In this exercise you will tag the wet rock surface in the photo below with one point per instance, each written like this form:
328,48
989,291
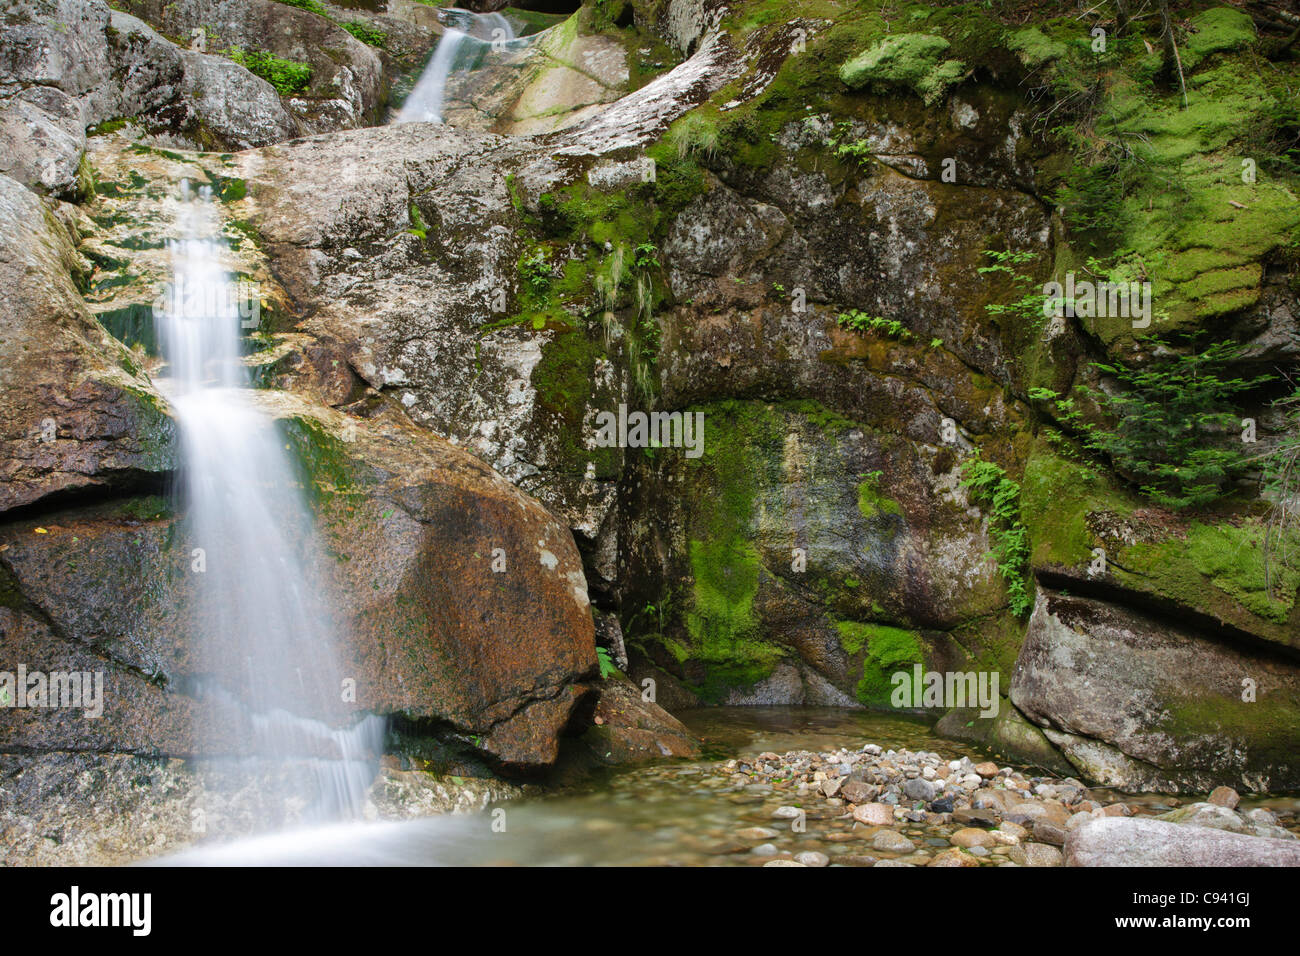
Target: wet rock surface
77,413
1091,675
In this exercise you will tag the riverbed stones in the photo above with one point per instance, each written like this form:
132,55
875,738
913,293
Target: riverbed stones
954,857
891,841
977,836
874,814
812,858
1219,817
1224,797
1048,831
919,788
968,837
975,817
1035,854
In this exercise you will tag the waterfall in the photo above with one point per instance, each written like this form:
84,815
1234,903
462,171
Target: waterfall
264,633
464,43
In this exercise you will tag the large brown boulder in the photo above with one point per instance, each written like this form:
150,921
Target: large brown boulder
412,528
628,729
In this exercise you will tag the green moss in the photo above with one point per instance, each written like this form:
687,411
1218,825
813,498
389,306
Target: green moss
1056,497
695,133
367,34
245,231
228,188
824,419
885,650
727,638
287,76
11,595
325,468
133,326
721,621
154,427
1216,30
1157,185
1034,47
1228,557
872,503
1265,729
310,5
913,60
135,182
144,508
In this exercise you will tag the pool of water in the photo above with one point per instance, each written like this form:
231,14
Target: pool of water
675,814
727,732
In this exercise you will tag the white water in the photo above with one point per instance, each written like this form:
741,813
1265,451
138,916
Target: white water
270,686
463,46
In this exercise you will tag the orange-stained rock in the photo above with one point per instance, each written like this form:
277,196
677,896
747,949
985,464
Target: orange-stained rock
627,729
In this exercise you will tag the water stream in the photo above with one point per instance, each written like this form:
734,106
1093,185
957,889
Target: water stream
262,628
468,39
684,813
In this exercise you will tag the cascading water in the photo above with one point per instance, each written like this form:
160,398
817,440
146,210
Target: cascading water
464,44
264,633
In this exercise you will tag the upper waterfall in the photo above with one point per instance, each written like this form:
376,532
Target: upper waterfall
468,37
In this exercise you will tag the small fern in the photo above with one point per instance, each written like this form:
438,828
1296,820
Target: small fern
990,486
607,666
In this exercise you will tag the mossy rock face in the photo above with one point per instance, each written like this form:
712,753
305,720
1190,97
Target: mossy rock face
1220,569
1084,527
78,413
1202,206
1058,497
789,559
1173,706
914,60
300,51
1217,30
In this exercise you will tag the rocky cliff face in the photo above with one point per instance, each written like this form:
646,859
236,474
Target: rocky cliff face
788,231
